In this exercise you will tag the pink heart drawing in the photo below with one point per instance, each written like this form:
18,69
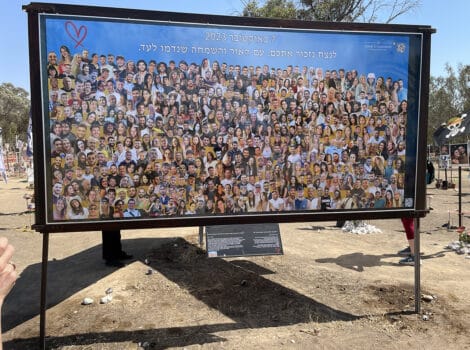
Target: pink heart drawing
76,34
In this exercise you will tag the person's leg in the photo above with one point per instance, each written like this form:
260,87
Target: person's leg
408,225
411,242
340,223
112,248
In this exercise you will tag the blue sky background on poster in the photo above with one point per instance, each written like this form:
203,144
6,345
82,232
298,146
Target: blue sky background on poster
383,54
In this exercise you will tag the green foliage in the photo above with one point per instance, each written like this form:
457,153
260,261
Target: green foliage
384,11
464,237
271,9
14,112
333,10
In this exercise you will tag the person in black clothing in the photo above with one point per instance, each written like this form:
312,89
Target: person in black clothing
429,172
112,248
111,239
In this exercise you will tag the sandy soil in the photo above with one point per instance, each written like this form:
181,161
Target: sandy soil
330,289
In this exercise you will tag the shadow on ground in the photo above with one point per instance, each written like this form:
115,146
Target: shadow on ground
358,261
235,288
65,277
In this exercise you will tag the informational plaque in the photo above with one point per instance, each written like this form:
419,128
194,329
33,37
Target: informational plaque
243,240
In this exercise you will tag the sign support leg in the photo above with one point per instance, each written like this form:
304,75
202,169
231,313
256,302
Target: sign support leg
417,268
42,317
201,235
460,196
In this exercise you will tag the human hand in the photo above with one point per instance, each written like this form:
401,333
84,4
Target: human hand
8,273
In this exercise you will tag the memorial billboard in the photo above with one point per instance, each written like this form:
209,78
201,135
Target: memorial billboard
154,119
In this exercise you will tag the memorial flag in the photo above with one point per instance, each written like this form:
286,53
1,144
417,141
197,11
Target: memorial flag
29,134
455,126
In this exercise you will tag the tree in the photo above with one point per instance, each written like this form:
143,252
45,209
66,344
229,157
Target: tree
448,97
272,8
385,11
14,112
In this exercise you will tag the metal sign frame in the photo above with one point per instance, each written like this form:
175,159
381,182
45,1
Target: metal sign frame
418,77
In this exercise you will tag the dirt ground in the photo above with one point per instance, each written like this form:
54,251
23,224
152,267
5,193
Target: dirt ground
330,289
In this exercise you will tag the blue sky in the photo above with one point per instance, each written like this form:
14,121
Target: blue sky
449,44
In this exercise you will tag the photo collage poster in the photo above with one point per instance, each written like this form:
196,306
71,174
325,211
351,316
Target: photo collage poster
148,119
